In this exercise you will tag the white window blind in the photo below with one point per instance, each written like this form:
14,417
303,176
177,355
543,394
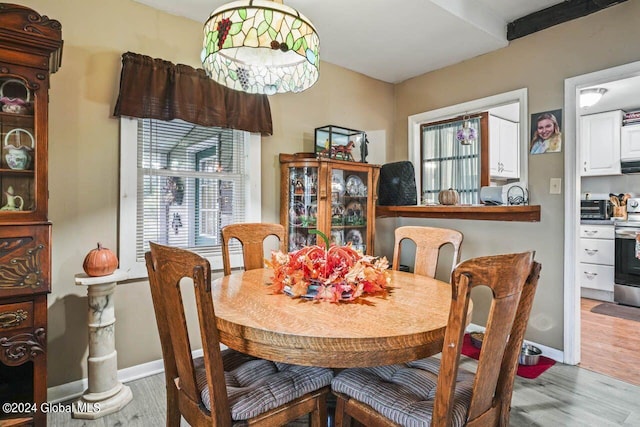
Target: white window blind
190,181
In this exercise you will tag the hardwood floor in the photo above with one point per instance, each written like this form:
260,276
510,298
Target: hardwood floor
603,391
609,345
564,395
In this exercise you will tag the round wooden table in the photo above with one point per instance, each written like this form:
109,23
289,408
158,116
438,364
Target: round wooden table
406,324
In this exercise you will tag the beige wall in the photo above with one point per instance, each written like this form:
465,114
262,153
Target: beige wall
84,148
540,62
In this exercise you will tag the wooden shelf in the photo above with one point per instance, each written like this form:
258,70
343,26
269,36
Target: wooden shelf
487,213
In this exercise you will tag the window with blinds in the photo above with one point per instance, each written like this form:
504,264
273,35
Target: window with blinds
190,181
188,178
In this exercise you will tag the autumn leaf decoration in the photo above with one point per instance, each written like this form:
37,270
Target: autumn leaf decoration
333,273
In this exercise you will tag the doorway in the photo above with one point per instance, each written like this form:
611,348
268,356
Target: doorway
572,160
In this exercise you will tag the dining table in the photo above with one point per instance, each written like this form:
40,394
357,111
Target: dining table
406,322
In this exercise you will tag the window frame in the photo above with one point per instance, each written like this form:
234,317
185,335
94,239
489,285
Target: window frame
471,107
127,226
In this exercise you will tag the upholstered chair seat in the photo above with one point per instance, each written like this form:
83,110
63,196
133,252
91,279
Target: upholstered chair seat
405,393
255,386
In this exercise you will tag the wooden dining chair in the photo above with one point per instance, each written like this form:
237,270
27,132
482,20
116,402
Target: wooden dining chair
222,388
251,236
428,241
435,392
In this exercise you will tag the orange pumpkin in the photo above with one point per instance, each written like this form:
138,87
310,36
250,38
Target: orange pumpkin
448,197
100,262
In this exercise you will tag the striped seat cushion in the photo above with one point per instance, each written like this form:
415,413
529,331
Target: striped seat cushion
404,393
255,386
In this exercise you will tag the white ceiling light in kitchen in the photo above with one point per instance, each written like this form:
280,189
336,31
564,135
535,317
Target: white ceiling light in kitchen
590,97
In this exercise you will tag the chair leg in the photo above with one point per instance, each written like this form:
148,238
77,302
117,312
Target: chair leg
173,411
319,415
342,418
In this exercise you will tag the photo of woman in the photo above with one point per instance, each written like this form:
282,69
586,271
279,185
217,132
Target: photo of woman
546,136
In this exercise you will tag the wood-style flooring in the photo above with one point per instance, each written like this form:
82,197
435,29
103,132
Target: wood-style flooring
567,396
603,391
609,345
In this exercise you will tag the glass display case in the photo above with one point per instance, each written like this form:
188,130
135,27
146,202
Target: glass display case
333,196
19,150
30,50
336,142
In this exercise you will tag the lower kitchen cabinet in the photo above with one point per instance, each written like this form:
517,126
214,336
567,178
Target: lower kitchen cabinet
596,256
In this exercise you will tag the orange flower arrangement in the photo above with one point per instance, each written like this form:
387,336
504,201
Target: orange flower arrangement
333,273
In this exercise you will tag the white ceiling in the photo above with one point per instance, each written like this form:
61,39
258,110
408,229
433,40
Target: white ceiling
394,40
621,94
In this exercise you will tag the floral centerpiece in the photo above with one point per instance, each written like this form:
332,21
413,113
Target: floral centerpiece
333,273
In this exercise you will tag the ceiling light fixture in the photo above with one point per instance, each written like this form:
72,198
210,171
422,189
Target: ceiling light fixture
590,97
261,46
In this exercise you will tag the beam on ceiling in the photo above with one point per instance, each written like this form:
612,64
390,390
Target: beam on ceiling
554,15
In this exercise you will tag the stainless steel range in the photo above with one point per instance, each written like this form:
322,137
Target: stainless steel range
626,289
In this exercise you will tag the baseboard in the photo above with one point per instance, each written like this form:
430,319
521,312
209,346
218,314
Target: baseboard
550,352
75,389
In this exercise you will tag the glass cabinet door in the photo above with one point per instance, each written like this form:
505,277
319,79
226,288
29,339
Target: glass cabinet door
349,208
17,165
303,206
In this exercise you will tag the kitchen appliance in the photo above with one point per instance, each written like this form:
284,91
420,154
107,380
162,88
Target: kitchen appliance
509,194
630,167
595,209
626,288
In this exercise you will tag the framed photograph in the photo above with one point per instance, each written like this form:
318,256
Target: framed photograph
546,132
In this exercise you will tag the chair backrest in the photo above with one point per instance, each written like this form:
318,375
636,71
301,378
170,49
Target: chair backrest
429,241
506,276
167,266
251,236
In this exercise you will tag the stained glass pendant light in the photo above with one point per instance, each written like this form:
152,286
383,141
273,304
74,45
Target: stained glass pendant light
261,46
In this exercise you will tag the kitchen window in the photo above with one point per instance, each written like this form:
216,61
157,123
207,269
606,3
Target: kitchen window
180,184
447,163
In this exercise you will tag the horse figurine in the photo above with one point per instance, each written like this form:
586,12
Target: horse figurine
343,152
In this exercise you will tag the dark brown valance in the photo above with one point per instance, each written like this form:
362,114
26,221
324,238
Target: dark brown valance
158,89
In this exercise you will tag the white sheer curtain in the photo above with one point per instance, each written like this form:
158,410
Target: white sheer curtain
446,163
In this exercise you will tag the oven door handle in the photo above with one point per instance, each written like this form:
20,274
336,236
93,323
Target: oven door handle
626,233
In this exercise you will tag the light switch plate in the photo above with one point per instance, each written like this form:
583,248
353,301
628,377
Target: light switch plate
555,186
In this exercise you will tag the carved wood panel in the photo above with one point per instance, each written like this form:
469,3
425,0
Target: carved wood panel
21,348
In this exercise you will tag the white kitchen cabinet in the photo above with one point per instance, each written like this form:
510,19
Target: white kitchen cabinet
504,148
600,143
630,143
596,256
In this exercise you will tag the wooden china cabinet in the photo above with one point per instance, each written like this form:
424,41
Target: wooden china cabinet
30,50
335,197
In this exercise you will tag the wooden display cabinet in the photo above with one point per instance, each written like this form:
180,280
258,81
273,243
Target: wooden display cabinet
335,197
30,50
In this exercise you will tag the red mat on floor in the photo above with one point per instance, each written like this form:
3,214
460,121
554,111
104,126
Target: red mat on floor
530,372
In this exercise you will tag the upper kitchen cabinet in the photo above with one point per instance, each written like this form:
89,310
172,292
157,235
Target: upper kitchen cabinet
504,148
600,143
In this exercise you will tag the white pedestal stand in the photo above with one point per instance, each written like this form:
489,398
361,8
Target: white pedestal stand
105,394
